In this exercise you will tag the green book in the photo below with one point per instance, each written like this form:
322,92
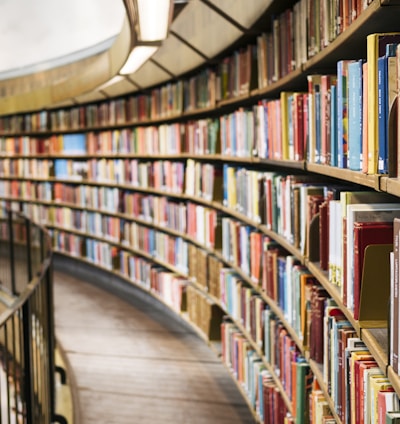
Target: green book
304,379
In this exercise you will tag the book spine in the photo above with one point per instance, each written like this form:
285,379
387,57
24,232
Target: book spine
394,326
355,116
382,118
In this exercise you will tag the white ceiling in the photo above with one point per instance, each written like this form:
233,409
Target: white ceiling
33,32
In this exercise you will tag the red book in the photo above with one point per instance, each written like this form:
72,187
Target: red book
365,234
385,403
305,120
318,301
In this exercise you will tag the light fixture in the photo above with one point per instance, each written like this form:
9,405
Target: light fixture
154,19
137,57
149,19
112,81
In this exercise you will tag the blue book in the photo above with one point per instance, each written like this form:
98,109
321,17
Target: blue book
334,136
355,110
74,143
383,107
282,292
61,168
225,168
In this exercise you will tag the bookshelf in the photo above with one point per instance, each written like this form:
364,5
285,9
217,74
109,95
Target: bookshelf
204,193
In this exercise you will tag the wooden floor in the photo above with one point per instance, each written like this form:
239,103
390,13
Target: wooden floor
136,363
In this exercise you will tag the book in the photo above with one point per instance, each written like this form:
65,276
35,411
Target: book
342,113
352,197
376,47
327,81
333,155
387,401
354,344
355,103
364,168
386,64
377,384
394,340
365,234
363,212
314,118
304,379
286,99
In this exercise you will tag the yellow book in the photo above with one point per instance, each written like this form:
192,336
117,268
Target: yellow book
285,95
376,44
231,183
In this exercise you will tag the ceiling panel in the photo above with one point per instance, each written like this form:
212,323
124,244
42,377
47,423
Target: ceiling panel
245,13
149,74
197,16
183,58
93,96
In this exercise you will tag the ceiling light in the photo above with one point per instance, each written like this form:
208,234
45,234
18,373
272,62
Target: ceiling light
112,81
149,19
154,17
138,56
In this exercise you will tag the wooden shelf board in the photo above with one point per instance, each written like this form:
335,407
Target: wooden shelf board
282,163
283,242
322,277
392,186
356,177
294,81
377,342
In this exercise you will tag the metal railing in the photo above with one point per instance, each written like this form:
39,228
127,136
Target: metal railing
27,383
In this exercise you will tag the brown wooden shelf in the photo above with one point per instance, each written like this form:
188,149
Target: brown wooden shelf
355,177
284,164
376,340
391,186
322,277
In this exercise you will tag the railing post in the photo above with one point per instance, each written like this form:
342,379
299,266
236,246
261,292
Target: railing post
28,249
48,280
12,256
28,380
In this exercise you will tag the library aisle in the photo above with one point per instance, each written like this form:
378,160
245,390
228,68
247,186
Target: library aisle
135,362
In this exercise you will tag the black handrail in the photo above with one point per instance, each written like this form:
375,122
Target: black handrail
27,341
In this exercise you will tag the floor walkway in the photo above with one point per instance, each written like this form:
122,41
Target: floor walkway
135,363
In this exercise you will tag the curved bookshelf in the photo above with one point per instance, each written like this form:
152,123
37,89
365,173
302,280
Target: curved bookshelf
247,168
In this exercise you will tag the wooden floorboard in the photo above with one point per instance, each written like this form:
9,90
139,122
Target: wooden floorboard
133,363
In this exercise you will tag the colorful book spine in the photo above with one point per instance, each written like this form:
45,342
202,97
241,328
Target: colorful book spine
355,115
342,113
